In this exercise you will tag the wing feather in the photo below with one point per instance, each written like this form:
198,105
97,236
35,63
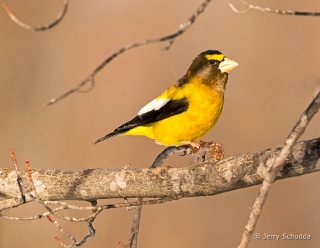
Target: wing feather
150,115
171,108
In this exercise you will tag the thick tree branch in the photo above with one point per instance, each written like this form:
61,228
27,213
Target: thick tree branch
237,172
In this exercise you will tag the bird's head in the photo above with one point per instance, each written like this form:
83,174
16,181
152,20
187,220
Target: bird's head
211,67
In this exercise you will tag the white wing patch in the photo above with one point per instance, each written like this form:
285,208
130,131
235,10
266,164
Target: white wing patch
155,104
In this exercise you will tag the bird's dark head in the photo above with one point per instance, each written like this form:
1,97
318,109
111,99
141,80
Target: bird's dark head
212,67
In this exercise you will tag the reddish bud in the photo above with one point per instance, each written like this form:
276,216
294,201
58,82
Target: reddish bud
6,8
48,217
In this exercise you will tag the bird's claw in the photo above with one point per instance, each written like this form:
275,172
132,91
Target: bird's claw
184,153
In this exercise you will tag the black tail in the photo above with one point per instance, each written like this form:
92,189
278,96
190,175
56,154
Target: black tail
171,108
122,129
115,133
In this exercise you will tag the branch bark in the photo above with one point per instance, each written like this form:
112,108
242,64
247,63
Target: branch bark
205,179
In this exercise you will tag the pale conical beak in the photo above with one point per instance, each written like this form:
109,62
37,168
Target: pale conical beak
227,65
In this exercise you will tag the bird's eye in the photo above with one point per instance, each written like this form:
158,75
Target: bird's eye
213,62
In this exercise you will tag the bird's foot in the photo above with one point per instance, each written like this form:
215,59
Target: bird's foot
192,147
216,151
200,150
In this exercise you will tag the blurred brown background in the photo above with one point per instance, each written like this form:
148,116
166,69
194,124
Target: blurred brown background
278,75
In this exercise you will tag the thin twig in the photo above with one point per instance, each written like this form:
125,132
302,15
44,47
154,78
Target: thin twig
170,38
19,180
96,210
72,238
294,135
30,177
91,234
74,242
133,241
40,28
268,10
135,226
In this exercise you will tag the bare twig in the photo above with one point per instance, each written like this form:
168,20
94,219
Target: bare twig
19,180
40,28
29,176
170,38
55,222
89,220
91,234
74,242
96,210
268,10
133,241
294,135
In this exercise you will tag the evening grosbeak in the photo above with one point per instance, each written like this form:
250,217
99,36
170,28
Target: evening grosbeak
188,109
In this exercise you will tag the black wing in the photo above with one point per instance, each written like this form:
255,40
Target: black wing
171,108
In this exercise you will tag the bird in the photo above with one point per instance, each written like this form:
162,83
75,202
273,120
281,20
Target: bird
188,109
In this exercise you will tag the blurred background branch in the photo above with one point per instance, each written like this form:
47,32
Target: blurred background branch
39,28
278,163
169,38
269,10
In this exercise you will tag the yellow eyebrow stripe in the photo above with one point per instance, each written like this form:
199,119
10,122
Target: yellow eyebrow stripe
218,57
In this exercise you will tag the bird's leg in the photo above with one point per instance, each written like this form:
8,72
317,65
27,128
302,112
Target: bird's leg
200,150
170,150
192,144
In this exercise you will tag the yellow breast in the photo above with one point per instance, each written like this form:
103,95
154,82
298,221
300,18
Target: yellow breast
205,106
